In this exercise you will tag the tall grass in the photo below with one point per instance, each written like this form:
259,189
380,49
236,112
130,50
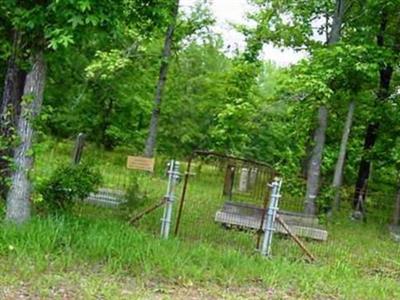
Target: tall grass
359,261
66,243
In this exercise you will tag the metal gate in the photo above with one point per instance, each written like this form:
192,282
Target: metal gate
223,200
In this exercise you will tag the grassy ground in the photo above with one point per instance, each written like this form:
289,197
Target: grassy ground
88,257
92,253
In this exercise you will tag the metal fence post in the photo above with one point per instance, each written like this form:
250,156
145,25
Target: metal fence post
269,226
173,176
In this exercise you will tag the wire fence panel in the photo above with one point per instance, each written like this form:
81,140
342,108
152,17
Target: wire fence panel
128,191
225,201
225,204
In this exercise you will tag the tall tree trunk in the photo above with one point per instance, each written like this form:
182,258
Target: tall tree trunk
108,108
9,111
396,211
315,161
165,57
371,136
385,77
314,166
337,22
365,163
338,177
18,198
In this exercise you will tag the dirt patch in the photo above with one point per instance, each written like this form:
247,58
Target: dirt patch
126,290
211,292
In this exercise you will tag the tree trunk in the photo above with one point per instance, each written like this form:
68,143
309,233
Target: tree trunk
385,77
396,211
9,112
314,167
365,164
18,198
337,22
315,161
165,57
11,100
338,177
108,108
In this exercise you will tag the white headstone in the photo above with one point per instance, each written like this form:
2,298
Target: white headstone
253,177
244,180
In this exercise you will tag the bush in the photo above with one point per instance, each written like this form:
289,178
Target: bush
67,184
135,197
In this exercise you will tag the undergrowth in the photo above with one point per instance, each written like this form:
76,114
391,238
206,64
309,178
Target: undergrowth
58,245
359,260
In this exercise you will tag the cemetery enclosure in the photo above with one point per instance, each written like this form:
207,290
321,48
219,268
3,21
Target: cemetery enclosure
224,201
211,181
220,199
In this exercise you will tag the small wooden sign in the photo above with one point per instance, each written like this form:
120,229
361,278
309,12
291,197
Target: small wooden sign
140,163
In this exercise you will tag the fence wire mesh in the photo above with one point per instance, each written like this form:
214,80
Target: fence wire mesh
224,203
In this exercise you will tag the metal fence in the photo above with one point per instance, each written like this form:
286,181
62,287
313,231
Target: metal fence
220,200
223,200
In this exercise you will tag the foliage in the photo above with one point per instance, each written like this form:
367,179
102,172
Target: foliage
97,249
136,198
4,180
103,60
66,185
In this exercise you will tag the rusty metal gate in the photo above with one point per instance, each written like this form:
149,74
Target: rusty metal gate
223,200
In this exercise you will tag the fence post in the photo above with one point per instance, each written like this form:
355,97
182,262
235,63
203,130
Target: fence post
173,176
79,144
269,226
183,195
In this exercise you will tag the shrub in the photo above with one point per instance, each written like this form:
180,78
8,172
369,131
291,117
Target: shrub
67,184
135,197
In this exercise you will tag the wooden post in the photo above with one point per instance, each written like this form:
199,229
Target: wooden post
229,180
183,195
295,238
79,144
396,211
146,211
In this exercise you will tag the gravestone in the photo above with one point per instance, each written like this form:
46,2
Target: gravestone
244,180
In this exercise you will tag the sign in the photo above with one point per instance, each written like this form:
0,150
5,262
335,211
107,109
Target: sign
140,163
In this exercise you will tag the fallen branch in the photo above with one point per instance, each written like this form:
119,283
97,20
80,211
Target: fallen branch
295,238
147,211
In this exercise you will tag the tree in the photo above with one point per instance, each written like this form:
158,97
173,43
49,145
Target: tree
9,109
273,27
49,26
338,177
314,167
387,40
239,107
165,57
195,95
18,198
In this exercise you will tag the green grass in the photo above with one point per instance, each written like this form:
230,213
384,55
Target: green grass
93,253
359,267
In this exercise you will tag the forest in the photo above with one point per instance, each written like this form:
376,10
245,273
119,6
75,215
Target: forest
153,79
